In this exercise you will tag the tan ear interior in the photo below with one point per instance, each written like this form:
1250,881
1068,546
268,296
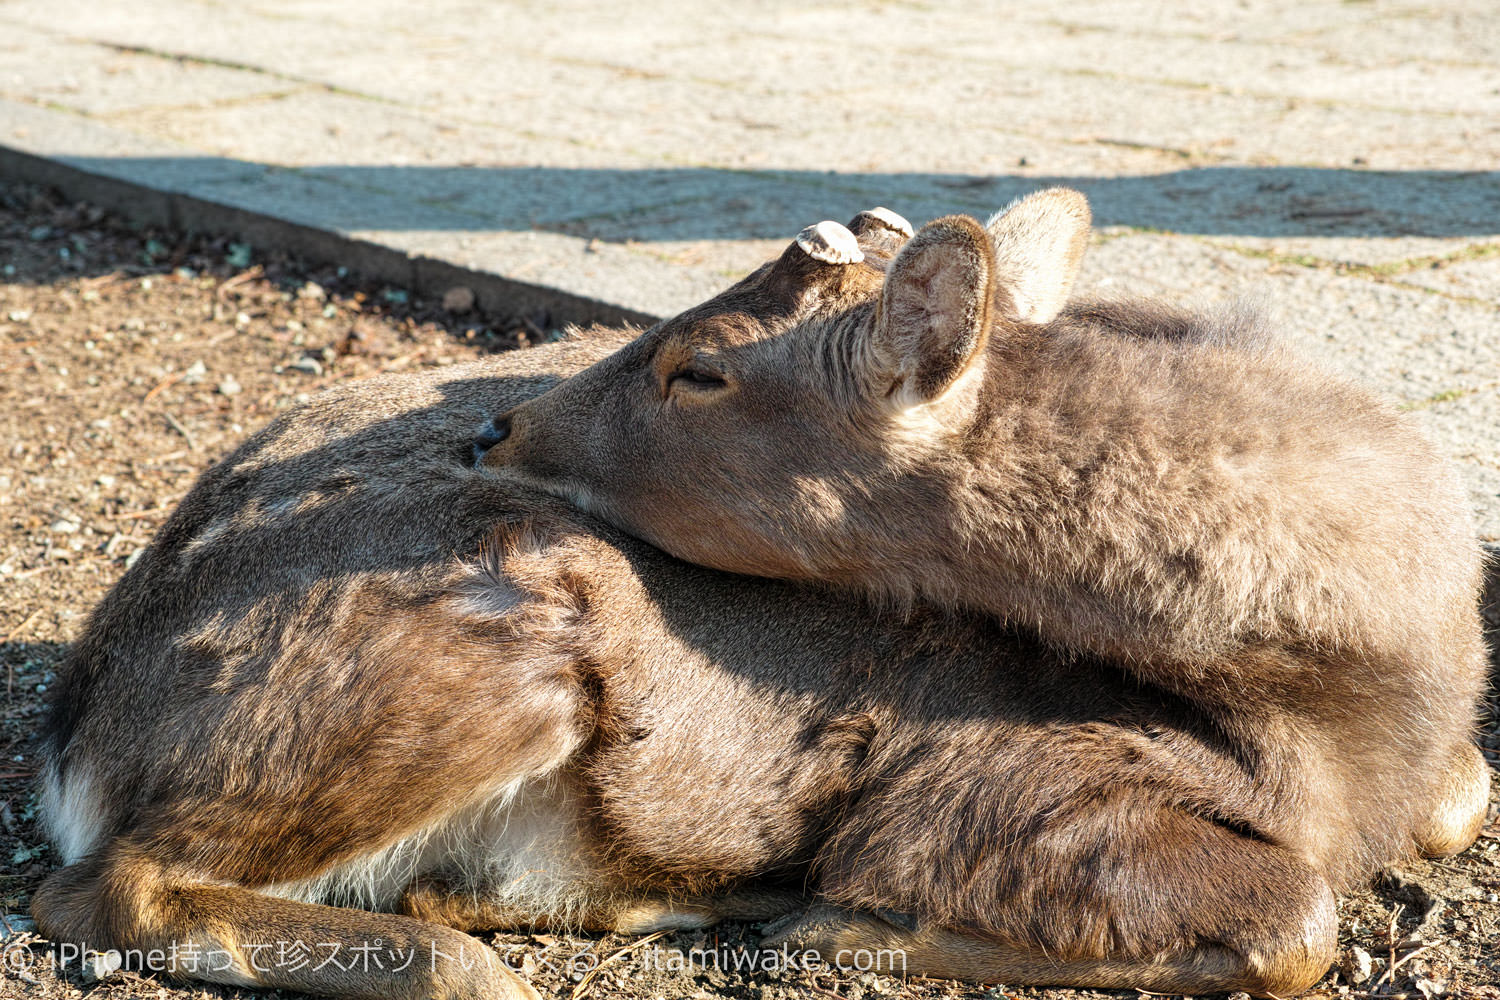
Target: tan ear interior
1039,242
934,308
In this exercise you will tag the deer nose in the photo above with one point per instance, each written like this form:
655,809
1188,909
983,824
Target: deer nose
489,435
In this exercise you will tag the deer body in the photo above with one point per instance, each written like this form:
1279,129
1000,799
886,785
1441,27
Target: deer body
354,671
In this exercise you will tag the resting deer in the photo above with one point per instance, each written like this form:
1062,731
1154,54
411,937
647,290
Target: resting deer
925,417
359,699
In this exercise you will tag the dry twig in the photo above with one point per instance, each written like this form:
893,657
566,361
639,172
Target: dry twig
22,627
169,380
1389,975
187,434
239,279
131,515
831,994
581,990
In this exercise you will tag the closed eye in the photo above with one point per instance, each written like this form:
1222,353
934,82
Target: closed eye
696,378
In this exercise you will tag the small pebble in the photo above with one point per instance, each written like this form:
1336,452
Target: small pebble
195,373
100,965
458,299
1430,988
64,527
309,365
15,924
229,387
1358,966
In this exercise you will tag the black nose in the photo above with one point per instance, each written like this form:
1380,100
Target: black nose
489,435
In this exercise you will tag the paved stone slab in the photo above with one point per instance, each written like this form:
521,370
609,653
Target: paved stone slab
100,81
1474,279
1379,256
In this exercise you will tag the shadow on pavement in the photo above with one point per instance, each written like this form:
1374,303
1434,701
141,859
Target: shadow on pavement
704,204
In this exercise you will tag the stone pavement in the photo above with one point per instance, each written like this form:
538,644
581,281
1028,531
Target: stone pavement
1335,158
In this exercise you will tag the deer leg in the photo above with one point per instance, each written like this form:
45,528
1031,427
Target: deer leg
1115,897
1463,802
231,935
435,899
860,941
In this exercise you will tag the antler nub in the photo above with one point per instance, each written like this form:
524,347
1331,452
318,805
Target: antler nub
887,219
830,243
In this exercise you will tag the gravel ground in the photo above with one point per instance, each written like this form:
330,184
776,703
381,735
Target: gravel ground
130,361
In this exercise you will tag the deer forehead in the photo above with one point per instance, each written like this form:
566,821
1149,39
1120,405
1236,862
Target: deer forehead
755,322
734,329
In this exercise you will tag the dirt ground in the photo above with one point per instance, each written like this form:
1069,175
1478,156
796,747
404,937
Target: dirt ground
130,361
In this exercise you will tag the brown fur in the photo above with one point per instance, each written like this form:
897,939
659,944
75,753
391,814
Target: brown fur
347,640
1171,492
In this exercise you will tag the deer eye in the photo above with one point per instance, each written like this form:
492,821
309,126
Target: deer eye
696,378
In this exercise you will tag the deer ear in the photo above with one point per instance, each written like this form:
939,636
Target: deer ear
1039,243
933,318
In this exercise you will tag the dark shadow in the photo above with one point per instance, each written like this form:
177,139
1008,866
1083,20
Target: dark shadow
26,665
48,238
701,203
1489,606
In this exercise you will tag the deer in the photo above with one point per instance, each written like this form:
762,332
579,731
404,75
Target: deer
924,417
360,700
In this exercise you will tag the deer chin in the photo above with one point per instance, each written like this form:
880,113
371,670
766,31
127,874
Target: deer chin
567,488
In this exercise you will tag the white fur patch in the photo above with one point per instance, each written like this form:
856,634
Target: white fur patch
530,855
71,813
917,423
521,847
